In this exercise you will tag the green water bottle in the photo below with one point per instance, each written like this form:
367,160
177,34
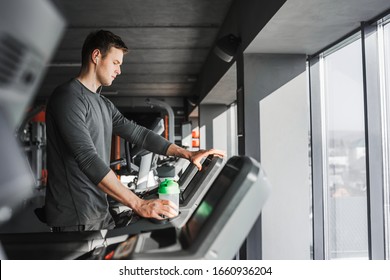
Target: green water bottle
169,190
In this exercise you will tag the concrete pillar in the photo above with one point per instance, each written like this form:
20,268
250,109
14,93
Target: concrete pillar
276,134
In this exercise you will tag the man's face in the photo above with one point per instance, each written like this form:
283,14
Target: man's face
110,66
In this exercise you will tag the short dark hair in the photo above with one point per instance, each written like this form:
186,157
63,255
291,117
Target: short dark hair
102,40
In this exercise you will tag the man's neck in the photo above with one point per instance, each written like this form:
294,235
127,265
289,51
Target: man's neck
89,81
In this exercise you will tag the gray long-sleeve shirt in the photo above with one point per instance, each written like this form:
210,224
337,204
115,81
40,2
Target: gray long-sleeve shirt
80,124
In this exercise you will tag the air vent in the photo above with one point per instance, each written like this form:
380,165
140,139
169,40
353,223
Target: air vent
11,56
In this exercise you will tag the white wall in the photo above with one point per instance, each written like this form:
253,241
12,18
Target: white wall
219,128
284,124
265,75
213,126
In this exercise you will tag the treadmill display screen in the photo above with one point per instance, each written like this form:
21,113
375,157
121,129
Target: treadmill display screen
194,183
190,169
209,203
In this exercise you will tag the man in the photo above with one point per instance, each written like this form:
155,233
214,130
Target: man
80,123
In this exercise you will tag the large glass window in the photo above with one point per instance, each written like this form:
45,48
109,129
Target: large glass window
384,54
346,233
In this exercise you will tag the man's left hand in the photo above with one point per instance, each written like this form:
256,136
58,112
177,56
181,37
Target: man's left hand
196,156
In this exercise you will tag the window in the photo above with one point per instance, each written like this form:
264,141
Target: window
384,60
345,197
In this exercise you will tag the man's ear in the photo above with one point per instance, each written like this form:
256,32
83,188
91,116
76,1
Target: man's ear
95,56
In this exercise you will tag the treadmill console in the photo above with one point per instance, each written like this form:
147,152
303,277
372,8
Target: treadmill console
219,224
189,200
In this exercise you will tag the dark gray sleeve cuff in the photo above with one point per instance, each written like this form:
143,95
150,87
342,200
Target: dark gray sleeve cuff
96,170
156,143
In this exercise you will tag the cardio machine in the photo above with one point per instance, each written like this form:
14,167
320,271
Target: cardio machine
195,185
216,229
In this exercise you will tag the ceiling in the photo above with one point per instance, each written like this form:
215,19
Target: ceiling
307,26
301,27
171,42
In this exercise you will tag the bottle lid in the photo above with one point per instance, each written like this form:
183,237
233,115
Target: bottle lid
169,187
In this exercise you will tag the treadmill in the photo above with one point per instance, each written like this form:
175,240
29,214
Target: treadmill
189,199
187,176
24,58
215,230
71,245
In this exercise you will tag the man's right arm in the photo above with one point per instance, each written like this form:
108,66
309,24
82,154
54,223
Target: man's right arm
146,208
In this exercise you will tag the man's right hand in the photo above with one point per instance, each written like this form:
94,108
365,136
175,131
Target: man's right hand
156,208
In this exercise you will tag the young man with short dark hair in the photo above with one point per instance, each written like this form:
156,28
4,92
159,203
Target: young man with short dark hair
80,123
